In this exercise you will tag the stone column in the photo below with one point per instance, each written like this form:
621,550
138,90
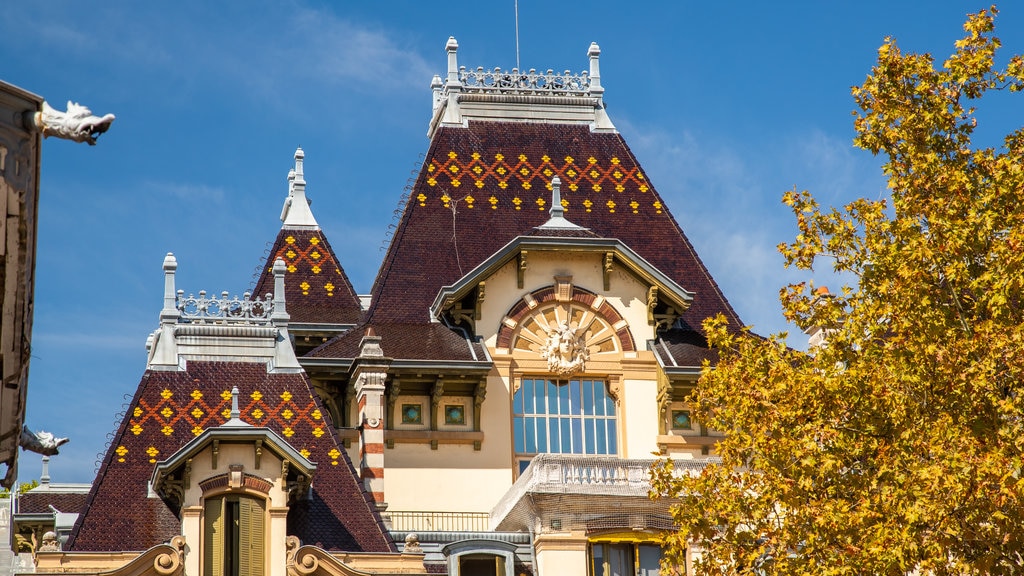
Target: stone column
369,372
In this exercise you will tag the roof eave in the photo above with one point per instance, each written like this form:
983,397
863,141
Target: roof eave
679,296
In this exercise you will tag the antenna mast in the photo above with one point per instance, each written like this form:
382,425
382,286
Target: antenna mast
517,34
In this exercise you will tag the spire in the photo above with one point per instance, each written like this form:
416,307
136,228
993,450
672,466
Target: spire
557,211
296,213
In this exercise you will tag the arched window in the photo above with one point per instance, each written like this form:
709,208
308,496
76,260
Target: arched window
234,538
574,416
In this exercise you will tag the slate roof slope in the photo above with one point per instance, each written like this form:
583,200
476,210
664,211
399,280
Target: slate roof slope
171,408
489,183
40,502
316,287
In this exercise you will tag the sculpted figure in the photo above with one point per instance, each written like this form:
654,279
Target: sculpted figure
40,442
564,350
77,123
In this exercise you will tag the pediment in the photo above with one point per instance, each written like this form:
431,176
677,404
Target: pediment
461,302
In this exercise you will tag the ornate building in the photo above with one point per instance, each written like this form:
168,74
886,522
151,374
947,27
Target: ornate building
491,407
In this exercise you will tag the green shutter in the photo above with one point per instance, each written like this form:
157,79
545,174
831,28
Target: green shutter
213,537
252,547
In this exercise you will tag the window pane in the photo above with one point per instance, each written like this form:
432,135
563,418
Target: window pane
531,435
612,447
567,447
597,551
556,438
577,435
563,399
542,435
518,434
574,396
650,559
599,399
552,397
602,437
620,559
588,434
588,397
517,398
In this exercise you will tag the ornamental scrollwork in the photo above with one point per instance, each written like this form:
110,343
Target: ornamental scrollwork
234,309
515,81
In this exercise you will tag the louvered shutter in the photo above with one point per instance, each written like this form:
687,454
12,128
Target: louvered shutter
213,537
252,543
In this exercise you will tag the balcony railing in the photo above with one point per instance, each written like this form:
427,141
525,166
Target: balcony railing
439,521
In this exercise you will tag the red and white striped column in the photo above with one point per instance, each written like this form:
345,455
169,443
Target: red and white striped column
369,372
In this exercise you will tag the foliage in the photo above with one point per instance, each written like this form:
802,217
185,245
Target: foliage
897,446
22,488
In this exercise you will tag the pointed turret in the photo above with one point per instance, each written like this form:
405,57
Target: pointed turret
321,300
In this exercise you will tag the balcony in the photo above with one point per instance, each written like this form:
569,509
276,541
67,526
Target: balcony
580,492
438,521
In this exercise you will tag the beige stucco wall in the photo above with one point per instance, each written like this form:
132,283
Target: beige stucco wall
560,553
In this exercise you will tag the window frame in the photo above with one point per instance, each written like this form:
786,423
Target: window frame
579,416
255,512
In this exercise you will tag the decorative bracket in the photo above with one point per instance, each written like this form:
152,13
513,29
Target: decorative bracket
609,261
521,270
435,402
214,452
478,402
652,303
258,453
615,388
393,392
479,300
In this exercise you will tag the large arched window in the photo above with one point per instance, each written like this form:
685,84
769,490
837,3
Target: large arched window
572,416
234,536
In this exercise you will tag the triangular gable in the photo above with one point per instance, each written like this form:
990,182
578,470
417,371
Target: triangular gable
170,408
483,185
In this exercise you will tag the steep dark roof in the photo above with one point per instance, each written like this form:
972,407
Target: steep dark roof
171,408
317,291
483,185
40,502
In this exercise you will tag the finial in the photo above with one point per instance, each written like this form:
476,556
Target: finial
299,156
595,69
557,211
279,316
235,413
45,478
169,313
296,213
452,47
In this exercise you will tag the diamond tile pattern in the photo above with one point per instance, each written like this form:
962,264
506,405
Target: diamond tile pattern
171,408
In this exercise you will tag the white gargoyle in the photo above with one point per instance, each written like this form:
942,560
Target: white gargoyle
77,124
40,442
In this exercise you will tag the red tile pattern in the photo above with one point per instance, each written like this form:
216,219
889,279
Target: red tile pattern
164,416
316,288
438,241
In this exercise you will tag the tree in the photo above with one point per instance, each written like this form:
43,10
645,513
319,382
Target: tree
897,446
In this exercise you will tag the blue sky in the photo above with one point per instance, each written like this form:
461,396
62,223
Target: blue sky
726,105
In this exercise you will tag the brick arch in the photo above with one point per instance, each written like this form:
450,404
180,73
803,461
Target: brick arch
249,482
540,298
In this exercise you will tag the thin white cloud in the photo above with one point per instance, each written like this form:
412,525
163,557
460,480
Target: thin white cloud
186,191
